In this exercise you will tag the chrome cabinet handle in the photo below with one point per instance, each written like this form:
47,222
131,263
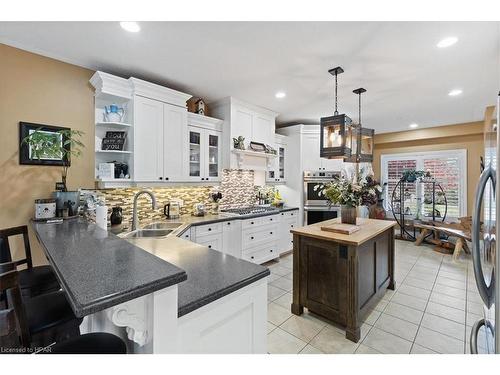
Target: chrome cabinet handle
485,291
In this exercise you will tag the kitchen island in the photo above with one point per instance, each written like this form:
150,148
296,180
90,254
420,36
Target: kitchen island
161,295
341,277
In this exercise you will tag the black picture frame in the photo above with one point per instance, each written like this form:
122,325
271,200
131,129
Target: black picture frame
24,130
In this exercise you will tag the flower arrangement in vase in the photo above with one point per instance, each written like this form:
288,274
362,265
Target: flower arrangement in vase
350,194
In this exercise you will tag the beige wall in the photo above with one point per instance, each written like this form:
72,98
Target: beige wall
40,90
467,136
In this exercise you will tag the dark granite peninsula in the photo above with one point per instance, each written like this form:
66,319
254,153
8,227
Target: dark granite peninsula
162,295
97,269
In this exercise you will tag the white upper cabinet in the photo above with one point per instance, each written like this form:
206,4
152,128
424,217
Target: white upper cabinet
148,139
174,131
160,130
242,124
277,166
156,137
305,152
252,122
204,140
311,160
263,129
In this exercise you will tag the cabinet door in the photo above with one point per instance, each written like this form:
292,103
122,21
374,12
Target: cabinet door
231,238
195,154
242,124
213,242
331,164
272,166
148,139
310,152
281,162
174,130
213,155
263,128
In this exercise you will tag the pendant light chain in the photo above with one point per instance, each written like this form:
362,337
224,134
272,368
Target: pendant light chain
336,112
360,110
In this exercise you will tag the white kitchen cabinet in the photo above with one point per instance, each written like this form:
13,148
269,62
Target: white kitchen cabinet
204,154
263,128
148,139
252,122
277,167
209,235
203,148
174,130
158,136
156,124
242,123
231,238
213,241
257,240
288,221
311,161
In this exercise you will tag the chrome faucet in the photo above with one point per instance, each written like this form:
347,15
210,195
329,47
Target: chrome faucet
135,219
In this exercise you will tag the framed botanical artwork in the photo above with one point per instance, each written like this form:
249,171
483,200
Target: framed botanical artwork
51,137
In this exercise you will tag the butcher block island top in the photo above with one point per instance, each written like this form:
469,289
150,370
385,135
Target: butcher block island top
342,276
368,229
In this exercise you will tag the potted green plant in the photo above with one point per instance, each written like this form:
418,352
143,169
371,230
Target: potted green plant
44,145
350,194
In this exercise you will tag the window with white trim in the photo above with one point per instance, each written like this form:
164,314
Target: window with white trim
448,167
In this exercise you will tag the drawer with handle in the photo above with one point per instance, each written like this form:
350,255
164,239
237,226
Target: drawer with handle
259,221
289,214
251,238
262,253
213,242
203,230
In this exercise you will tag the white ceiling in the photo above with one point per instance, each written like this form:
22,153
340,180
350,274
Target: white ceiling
406,76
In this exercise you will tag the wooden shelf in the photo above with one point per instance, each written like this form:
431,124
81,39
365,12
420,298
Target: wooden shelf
112,124
253,153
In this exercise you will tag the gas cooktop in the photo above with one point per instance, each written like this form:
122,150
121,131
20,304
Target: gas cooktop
251,210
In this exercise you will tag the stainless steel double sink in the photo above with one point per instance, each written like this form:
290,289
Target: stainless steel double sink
153,230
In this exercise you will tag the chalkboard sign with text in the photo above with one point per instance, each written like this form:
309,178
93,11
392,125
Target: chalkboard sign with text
113,144
116,134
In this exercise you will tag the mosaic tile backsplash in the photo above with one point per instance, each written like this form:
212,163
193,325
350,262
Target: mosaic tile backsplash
236,187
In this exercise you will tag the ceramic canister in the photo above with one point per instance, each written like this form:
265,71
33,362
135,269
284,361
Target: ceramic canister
45,208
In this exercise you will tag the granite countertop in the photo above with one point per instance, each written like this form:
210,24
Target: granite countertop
95,266
97,269
189,221
210,273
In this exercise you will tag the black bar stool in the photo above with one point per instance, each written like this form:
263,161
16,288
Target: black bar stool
42,320
33,281
90,343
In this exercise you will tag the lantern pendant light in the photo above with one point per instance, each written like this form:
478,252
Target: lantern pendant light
361,139
335,131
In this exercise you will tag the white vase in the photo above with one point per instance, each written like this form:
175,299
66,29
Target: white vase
363,212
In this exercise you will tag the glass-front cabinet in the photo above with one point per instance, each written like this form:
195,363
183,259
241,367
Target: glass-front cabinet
194,153
276,171
204,154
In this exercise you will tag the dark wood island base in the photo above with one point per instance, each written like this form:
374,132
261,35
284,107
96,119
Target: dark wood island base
341,277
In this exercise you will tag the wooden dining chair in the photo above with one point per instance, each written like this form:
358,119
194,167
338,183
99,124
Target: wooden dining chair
33,281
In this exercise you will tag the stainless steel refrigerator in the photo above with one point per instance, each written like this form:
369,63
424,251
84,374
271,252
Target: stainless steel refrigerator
484,338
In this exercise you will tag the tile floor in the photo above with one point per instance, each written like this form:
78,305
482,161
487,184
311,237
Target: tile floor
431,311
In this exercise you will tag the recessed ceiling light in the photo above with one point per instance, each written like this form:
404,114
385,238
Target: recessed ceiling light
455,92
130,26
413,126
446,42
280,95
